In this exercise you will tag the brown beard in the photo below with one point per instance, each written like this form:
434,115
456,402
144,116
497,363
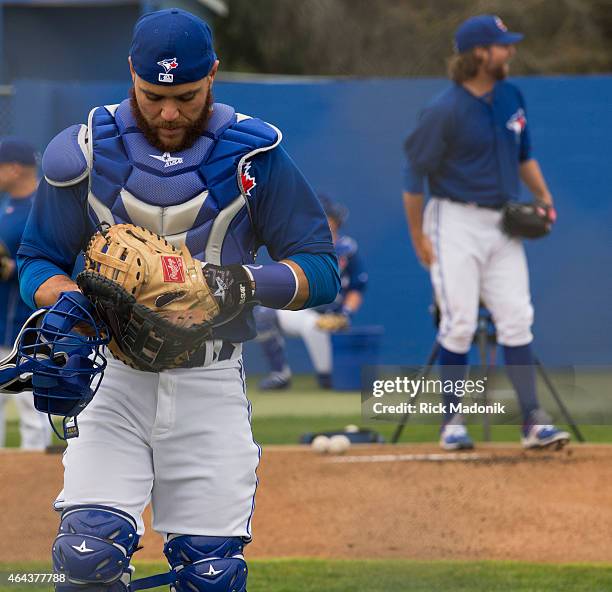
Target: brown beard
192,131
498,73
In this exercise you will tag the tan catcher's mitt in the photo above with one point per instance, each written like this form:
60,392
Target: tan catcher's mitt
152,296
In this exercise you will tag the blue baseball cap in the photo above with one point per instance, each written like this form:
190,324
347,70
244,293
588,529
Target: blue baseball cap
14,149
484,30
172,47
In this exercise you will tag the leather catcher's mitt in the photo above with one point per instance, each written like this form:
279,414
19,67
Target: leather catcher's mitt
152,296
527,220
332,321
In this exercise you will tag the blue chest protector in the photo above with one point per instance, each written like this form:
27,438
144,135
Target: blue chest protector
198,196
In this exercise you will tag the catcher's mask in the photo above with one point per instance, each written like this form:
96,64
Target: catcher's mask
66,366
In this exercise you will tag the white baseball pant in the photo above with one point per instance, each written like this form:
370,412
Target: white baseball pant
476,261
180,439
303,323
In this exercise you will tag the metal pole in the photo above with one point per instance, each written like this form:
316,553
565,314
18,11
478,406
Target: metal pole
553,391
426,369
483,339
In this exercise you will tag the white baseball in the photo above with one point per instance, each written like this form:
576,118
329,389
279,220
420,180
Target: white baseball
339,444
351,429
320,444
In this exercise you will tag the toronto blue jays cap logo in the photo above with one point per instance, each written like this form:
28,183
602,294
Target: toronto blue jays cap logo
500,24
167,64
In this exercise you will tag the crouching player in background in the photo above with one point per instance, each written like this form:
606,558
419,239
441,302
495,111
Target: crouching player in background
314,325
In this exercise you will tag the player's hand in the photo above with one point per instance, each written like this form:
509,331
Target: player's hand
549,210
70,313
424,251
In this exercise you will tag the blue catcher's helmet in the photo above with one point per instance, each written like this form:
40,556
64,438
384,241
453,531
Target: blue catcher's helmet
67,366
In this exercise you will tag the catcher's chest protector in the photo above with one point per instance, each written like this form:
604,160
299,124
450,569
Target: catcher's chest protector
196,196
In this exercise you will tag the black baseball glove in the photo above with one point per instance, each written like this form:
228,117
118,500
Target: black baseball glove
527,220
231,286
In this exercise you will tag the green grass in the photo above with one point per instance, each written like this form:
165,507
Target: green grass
281,417
287,429
317,575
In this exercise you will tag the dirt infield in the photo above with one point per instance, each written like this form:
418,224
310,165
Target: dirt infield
379,501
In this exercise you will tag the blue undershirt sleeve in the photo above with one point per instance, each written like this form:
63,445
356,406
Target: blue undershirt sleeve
322,274
33,273
54,234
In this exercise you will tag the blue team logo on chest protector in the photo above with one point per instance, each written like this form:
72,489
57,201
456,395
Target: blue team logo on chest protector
198,196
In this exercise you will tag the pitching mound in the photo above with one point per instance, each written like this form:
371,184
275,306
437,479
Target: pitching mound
379,502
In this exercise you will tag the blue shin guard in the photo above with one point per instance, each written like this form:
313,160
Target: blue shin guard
201,564
93,548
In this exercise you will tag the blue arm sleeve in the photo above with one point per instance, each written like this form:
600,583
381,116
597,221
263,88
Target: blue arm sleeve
54,234
426,144
275,284
322,274
33,273
287,213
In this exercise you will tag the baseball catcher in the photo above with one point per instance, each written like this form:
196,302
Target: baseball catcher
170,195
